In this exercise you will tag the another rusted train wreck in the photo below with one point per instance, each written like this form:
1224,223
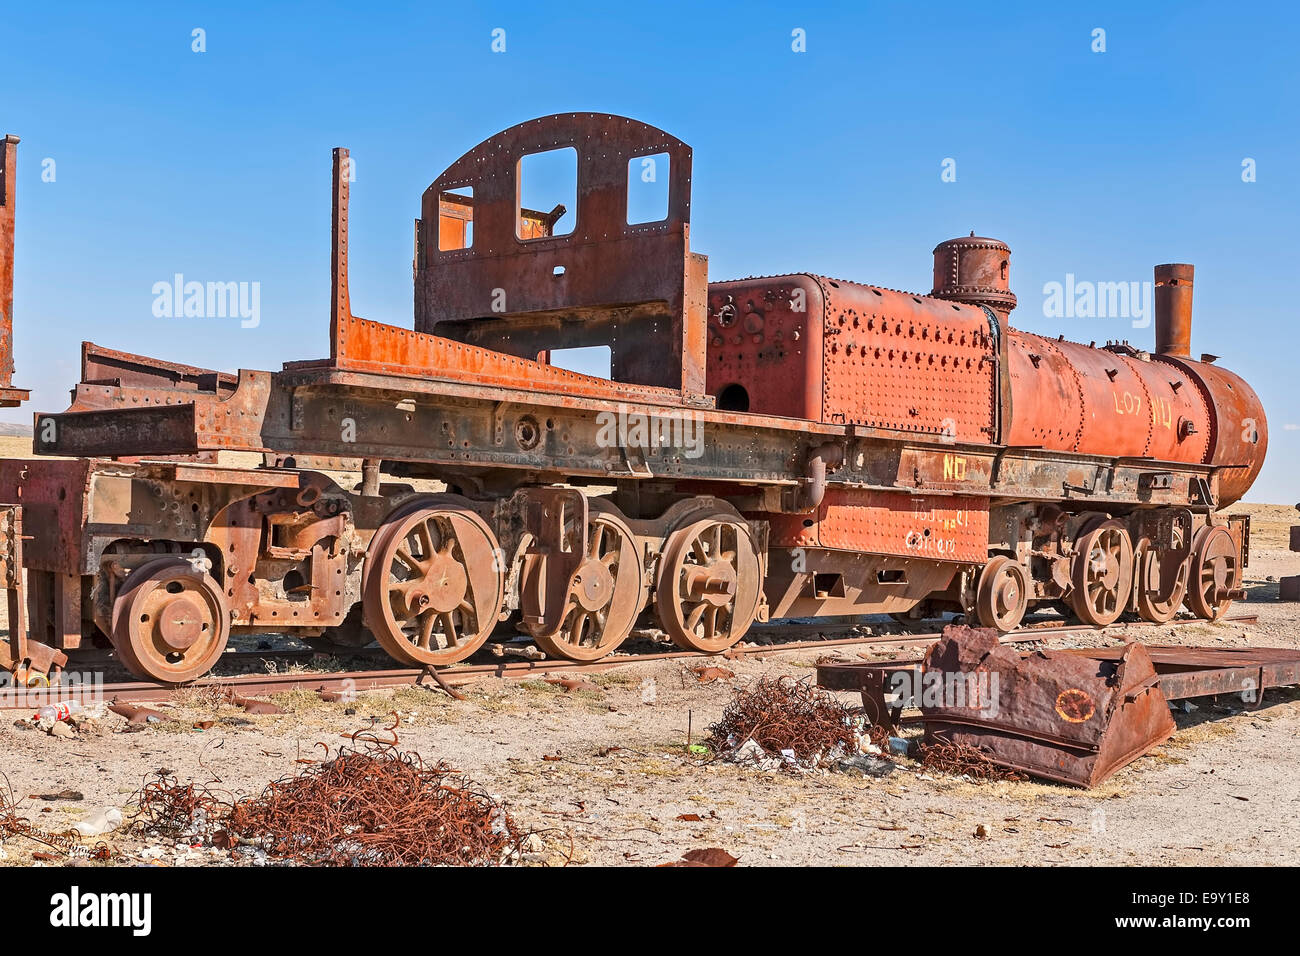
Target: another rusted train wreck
864,450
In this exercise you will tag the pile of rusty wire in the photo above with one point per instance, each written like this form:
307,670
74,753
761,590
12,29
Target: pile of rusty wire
783,714
959,760
174,809
371,806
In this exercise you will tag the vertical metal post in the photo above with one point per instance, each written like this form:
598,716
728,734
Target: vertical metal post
9,396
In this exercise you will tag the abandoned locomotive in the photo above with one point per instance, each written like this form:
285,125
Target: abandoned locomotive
860,450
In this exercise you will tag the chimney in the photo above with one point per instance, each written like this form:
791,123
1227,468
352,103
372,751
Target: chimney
1174,309
9,396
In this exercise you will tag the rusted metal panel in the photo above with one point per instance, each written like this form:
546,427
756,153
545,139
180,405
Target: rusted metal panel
1074,715
494,292
934,527
812,582
1070,397
9,396
1236,430
53,493
1204,671
906,363
1057,715
765,346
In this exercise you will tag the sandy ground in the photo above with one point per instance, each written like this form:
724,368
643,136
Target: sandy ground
609,769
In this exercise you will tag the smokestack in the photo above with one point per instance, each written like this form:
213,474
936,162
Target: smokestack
1174,309
9,396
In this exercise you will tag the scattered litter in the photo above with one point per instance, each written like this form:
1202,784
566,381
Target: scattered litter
707,675
59,795
570,684
104,821
136,715
526,651
254,706
867,765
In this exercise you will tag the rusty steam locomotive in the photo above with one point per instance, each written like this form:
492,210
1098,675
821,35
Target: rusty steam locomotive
863,450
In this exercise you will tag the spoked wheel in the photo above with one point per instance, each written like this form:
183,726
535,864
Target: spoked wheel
433,582
1003,594
605,594
170,621
1161,582
1215,573
1102,574
709,584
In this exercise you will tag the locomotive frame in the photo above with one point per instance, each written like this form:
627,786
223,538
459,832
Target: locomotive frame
864,451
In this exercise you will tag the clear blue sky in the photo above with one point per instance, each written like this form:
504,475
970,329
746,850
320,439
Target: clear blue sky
216,165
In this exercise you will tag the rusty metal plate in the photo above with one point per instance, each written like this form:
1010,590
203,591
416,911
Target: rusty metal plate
765,346
1055,715
908,363
936,527
502,282
1237,432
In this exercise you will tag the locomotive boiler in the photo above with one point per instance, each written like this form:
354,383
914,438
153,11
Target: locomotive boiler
787,446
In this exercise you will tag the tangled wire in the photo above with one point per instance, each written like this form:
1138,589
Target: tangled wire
15,824
964,760
784,714
371,806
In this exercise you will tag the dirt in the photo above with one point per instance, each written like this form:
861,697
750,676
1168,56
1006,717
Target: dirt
606,777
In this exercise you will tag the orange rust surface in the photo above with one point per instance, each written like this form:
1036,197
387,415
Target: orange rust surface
933,527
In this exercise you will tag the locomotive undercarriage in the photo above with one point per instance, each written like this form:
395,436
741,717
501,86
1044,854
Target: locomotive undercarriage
165,560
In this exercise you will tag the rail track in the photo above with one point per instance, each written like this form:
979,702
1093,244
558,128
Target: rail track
255,685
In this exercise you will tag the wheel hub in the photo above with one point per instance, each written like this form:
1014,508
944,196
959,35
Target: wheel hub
593,585
180,623
714,583
1008,595
442,588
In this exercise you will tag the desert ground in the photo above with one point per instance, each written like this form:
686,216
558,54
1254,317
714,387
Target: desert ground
605,775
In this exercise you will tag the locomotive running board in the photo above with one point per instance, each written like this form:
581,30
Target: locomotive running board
1074,716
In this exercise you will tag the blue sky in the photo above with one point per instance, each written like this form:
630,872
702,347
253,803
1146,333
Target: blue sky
216,164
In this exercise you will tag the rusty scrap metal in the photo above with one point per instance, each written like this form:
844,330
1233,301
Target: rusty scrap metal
379,807
170,808
1060,715
963,760
370,806
781,713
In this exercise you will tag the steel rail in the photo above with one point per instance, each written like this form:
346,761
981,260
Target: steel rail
359,681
